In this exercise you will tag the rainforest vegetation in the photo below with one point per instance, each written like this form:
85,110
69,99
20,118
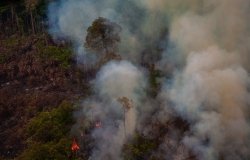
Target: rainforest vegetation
124,80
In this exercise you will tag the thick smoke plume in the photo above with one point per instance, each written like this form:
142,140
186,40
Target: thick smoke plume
212,90
201,49
105,108
212,94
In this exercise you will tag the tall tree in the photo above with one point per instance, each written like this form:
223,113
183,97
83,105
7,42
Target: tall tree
103,36
127,105
9,8
30,7
14,14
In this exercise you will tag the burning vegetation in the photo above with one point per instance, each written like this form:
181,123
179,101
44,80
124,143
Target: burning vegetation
157,80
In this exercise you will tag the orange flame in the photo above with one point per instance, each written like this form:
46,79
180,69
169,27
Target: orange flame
74,146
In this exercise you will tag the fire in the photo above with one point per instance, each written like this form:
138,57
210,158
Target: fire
98,124
74,146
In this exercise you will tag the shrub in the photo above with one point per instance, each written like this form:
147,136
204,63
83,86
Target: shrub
47,151
48,134
61,54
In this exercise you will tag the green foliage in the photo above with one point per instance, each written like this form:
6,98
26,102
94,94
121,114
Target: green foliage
48,151
139,148
51,126
14,42
61,54
48,134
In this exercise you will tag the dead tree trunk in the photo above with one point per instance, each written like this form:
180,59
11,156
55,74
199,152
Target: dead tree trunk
32,22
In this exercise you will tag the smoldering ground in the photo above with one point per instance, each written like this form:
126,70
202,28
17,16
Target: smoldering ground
201,49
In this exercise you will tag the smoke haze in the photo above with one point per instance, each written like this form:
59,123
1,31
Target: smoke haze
105,108
202,49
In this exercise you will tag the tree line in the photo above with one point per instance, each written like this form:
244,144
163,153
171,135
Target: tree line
23,17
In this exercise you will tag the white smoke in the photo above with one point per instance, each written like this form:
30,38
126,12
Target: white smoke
203,44
212,94
140,26
212,90
114,80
